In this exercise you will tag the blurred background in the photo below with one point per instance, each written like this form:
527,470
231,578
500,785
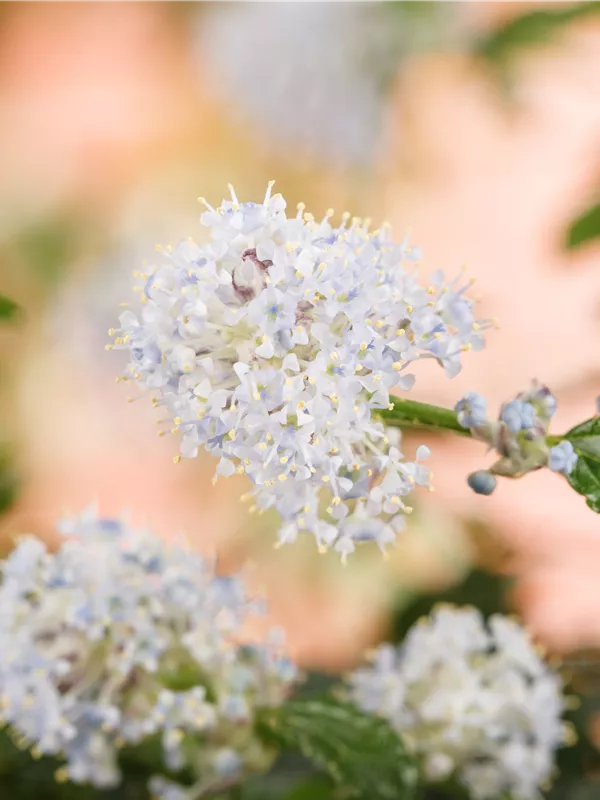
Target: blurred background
476,126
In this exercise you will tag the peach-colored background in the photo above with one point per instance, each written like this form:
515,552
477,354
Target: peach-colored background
108,124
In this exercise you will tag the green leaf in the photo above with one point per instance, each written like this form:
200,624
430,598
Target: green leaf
290,776
534,28
312,787
585,477
8,309
585,438
359,751
318,787
584,229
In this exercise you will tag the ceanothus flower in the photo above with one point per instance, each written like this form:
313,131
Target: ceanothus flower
518,436
518,415
562,458
118,636
473,700
471,410
274,345
313,79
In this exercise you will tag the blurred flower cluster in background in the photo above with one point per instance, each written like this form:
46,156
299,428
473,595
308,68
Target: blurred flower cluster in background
475,126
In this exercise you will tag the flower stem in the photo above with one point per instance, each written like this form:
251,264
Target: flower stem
422,416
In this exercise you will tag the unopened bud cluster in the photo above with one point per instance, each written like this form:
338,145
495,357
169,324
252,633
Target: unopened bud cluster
119,636
519,436
473,700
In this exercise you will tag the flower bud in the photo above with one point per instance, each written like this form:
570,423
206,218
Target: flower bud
482,482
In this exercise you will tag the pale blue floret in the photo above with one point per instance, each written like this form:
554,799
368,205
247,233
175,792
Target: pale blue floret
547,401
227,762
471,410
518,415
562,458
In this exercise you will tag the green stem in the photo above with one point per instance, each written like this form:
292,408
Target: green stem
422,416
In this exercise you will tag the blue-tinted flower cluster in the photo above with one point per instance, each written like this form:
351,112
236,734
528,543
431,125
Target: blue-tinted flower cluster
518,416
274,345
95,638
334,62
518,436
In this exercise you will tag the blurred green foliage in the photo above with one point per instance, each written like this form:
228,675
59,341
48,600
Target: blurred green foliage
8,309
535,28
419,12
25,778
331,750
290,780
8,480
499,50
585,228
579,765
48,247
480,588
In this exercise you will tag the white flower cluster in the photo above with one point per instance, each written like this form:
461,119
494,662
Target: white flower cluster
474,701
118,636
274,345
315,78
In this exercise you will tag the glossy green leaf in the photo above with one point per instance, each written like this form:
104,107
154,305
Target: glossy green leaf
585,228
8,309
585,477
585,438
359,751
